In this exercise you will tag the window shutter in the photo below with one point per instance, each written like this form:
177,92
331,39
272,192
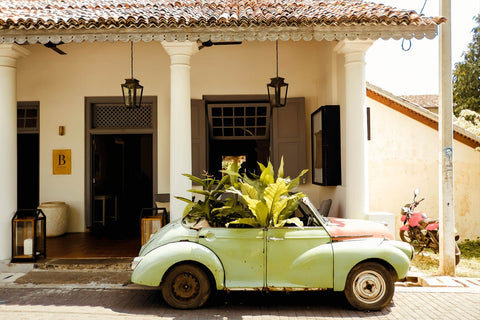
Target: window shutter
288,138
199,138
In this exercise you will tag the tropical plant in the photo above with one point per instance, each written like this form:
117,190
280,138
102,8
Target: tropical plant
210,206
268,199
466,75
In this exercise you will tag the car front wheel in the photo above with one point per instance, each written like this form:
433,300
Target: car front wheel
369,286
186,286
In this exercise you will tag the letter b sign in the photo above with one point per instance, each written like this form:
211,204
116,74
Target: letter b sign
62,161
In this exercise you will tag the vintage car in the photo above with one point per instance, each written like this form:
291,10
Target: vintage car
189,261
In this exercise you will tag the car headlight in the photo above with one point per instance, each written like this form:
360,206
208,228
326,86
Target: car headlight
135,262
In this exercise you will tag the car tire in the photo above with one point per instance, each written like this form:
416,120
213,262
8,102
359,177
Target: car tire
186,286
369,286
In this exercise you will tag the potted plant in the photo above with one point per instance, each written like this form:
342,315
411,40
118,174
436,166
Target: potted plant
257,201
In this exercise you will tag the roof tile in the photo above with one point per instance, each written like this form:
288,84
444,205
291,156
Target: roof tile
55,14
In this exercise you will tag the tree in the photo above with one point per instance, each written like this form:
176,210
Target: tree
466,76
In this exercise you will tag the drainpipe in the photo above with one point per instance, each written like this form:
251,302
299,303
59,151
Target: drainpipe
445,129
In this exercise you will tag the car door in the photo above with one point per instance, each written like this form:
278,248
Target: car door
241,251
299,258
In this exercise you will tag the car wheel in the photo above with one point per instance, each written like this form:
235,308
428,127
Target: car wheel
369,286
186,286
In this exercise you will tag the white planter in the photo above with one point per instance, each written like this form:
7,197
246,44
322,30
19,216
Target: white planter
56,217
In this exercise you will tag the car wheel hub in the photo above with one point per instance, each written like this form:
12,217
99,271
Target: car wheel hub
369,286
185,286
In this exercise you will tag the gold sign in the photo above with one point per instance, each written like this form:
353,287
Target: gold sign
62,161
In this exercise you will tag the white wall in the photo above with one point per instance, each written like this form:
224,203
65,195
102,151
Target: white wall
404,155
61,84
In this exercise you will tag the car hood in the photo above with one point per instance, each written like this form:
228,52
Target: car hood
344,229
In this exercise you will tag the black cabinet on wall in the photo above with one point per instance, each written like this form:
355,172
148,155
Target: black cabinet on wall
326,159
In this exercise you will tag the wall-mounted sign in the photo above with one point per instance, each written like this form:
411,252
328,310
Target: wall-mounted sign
62,161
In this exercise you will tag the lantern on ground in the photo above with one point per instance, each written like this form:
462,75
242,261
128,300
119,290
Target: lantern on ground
152,220
28,235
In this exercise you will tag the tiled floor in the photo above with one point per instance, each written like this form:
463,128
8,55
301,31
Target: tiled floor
89,245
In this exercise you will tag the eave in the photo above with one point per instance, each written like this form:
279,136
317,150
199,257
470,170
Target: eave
218,33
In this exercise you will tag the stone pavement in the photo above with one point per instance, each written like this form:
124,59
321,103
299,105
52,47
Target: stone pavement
54,292
70,302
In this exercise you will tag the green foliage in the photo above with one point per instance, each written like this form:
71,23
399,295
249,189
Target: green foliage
261,201
211,207
470,248
466,76
268,199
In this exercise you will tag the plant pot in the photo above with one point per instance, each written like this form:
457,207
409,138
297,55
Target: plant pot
56,217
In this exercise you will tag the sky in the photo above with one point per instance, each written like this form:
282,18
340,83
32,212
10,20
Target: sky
416,71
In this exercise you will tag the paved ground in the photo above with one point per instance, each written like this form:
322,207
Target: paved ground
72,292
117,301
81,303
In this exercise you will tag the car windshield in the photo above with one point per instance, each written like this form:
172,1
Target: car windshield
307,204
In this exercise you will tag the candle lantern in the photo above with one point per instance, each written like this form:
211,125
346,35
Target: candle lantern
28,235
152,219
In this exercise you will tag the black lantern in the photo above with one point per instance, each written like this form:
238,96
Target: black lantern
28,235
131,89
277,88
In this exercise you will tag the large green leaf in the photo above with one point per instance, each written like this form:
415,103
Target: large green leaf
258,208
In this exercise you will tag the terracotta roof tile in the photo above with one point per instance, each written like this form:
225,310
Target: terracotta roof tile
87,14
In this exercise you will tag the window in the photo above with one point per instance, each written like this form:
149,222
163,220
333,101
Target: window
28,117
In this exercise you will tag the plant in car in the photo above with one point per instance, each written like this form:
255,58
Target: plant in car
216,211
270,200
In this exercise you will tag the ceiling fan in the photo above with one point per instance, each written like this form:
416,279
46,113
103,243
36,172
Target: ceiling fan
210,43
53,46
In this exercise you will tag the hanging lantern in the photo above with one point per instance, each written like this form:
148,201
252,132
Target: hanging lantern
132,90
28,235
277,88
132,93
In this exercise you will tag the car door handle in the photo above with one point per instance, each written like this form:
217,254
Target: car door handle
275,239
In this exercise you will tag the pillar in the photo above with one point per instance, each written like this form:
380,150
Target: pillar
356,157
9,53
180,123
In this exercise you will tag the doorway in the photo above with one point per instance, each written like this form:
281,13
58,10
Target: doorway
120,165
28,154
122,182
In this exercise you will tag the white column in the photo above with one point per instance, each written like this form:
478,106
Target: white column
9,53
356,157
180,123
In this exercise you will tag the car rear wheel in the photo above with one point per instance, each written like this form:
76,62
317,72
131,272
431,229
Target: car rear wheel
186,286
369,286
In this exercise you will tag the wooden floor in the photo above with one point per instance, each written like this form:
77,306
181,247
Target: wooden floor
89,245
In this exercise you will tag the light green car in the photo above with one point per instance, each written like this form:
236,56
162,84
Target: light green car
190,261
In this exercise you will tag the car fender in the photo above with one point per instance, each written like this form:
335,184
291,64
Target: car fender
156,263
347,254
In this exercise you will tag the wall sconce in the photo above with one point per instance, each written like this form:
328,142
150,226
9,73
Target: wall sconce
61,130
277,88
132,90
